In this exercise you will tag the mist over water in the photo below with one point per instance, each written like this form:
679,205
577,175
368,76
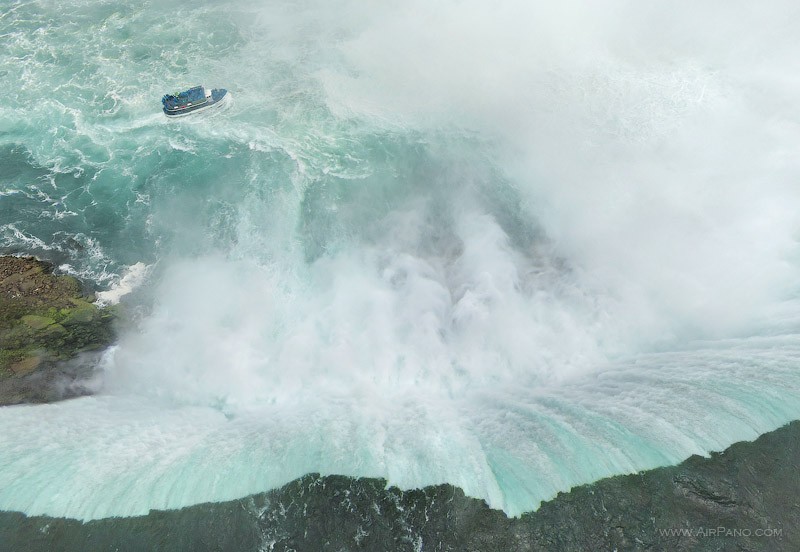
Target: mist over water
513,249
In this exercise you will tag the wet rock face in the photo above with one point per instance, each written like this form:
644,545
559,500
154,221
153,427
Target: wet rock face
45,319
743,499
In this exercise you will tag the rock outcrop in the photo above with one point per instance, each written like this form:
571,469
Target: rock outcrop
45,320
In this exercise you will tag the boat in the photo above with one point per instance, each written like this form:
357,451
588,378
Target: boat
194,100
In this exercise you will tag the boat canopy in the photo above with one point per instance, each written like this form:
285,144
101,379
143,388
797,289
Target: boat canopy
195,94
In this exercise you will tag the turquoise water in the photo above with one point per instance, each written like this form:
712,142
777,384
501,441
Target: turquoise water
511,249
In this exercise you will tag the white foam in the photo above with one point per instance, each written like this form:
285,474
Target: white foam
132,277
533,198
104,456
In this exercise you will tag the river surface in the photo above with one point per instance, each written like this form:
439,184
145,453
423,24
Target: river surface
512,249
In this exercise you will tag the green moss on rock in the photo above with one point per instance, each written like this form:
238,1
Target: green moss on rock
36,322
45,317
82,313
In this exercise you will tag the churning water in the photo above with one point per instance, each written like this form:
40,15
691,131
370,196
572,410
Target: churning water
511,248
